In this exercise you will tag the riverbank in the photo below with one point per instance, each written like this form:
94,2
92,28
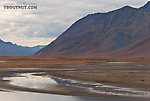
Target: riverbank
124,75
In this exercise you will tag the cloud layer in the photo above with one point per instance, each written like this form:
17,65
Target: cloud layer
41,26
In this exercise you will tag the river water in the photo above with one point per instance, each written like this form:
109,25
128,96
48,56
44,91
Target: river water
26,96
35,80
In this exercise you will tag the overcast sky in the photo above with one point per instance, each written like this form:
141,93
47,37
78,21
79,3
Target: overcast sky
41,26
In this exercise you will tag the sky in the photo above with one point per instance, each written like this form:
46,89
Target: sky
52,17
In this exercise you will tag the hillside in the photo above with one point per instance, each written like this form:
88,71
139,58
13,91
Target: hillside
10,49
124,32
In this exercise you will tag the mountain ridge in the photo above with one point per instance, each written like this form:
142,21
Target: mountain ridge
104,35
10,49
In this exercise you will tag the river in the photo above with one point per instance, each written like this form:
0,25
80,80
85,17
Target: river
35,80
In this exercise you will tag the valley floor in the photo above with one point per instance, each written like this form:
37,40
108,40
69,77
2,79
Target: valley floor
115,72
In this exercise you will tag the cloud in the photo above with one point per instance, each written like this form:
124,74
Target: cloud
41,26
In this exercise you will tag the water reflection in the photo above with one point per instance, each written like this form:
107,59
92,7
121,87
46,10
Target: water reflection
30,80
35,80
119,62
40,80
26,96
2,61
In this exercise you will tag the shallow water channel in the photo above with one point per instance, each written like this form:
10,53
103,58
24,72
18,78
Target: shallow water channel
30,80
38,80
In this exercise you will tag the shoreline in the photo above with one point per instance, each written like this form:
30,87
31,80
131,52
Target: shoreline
129,73
89,75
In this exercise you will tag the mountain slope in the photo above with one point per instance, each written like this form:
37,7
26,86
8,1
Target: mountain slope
10,49
32,50
120,33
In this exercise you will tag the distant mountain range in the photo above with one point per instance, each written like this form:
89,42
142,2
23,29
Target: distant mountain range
10,49
32,50
124,32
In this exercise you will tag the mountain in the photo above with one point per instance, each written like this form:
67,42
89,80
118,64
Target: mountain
32,50
10,49
124,32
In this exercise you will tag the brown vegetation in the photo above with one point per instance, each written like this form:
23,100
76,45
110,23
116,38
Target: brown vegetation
39,61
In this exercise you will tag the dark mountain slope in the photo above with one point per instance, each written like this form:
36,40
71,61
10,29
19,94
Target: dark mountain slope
120,33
